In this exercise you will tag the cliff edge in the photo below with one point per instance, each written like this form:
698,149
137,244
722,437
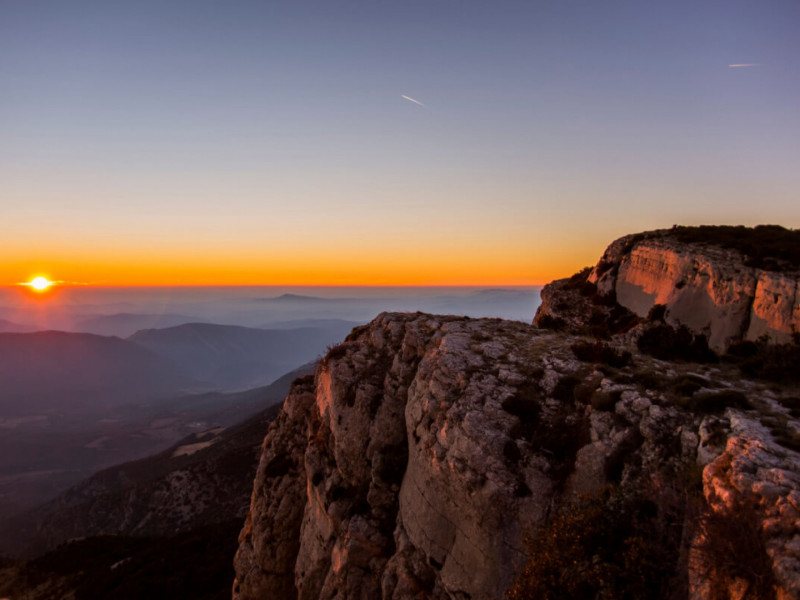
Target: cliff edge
438,457
726,283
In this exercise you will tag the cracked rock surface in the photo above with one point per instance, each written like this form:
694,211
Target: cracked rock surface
426,449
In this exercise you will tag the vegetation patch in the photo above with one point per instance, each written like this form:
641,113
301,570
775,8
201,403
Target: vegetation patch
337,351
731,546
717,402
579,281
768,247
793,404
598,352
687,385
786,437
624,454
356,332
630,542
771,362
605,400
552,323
615,543
609,318
565,388
390,464
196,564
667,343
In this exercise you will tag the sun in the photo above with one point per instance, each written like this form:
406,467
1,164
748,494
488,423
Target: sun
40,284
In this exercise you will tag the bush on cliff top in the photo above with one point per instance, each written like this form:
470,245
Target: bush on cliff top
769,247
632,543
598,352
771,362
667,343
612,544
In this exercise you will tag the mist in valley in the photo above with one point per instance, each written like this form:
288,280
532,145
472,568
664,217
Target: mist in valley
94,377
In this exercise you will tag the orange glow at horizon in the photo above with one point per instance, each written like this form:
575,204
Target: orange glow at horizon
434,272
335,261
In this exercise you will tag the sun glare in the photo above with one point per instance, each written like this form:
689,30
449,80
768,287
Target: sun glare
39,284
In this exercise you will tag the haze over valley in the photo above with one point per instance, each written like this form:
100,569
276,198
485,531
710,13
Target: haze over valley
98,393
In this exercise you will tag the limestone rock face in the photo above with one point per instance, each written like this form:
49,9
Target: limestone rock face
427,449
707,288
403,467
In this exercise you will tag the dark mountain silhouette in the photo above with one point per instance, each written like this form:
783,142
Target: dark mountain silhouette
47,370
126,324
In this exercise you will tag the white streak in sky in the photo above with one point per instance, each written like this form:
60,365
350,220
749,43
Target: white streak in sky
739,65
412,100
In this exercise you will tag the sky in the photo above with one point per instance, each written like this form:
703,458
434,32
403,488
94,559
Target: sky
441,142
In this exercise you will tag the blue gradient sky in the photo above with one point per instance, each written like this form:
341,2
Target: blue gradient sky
267,142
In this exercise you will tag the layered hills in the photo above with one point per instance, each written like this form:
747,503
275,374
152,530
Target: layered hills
73,403
49,370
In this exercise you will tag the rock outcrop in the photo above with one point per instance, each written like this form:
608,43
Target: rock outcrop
427,450
712,290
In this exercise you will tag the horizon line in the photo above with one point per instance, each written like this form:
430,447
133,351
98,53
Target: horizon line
84,286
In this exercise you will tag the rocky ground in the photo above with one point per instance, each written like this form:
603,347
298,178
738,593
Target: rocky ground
428,451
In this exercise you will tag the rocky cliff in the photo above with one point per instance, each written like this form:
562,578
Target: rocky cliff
705,280
443,457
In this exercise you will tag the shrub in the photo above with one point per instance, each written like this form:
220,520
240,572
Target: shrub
717,402
786,438
769,247
525,406
657,313
565,387
336,351
546,321
793,404
731,546
742,349
667,343
610,318
616,543
578,280
687,385
605,400
771,362
560,437
599,352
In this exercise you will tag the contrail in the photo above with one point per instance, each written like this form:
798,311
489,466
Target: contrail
738,65
412,100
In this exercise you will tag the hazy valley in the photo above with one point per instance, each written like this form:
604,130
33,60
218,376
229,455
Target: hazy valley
72,403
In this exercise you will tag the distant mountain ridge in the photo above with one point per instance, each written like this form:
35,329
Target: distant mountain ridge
126,324
42,370
234,357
